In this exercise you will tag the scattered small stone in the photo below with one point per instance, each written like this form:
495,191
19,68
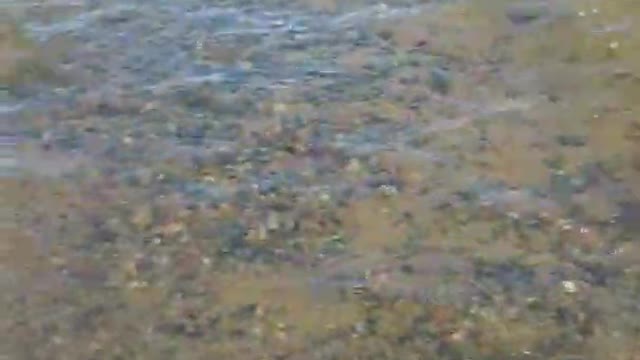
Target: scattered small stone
142,217
120,15
388,190
136,284
571,140
262,232
525,13
440,80
354,166
273,221
569,287
325,197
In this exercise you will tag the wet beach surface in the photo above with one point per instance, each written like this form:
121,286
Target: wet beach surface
320,180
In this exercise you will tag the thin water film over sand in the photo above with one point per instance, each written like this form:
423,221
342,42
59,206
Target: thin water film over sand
319,179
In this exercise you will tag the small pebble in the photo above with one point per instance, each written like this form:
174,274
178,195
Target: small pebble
262,232
142,217
569,287
273,221
388,190
440,80
137,284
354,166
360,328
525,13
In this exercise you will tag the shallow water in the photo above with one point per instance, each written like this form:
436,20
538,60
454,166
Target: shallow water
319,180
